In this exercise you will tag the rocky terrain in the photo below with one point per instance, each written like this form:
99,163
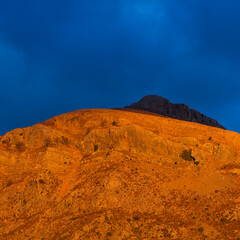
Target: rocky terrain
162,106
114,174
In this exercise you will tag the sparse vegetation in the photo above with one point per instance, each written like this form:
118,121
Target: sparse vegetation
114,123
65,140
47,141
223,219
95,148
9,183
187,155
20,146
41,181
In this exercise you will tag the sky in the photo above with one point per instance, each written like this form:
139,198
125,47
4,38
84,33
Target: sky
57,56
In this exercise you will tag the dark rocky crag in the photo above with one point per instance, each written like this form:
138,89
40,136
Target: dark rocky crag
160,105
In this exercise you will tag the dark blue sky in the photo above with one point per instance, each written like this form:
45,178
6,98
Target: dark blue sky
61,55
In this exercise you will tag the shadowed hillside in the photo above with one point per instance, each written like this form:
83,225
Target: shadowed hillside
160,105
113,174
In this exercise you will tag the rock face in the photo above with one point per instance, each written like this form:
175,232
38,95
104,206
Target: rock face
162,106
115,174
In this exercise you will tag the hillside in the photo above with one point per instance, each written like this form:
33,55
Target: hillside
119,174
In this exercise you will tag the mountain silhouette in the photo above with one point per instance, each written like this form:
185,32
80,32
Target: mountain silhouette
157,104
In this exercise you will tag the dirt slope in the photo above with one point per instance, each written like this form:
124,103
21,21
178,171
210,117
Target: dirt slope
113,174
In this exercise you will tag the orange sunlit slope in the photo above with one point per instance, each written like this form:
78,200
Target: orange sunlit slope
115,174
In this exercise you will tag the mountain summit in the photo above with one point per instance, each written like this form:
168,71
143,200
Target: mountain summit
163,106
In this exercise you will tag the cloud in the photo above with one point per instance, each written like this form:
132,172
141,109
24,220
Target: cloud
62,55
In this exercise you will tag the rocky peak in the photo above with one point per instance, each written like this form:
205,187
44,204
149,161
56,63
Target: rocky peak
163,106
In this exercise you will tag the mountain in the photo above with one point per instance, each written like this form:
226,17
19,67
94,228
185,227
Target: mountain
117,174
157,104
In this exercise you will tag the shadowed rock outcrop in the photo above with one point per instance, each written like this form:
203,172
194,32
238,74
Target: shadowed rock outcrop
157,104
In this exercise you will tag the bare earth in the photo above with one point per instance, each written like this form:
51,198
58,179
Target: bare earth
114,174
